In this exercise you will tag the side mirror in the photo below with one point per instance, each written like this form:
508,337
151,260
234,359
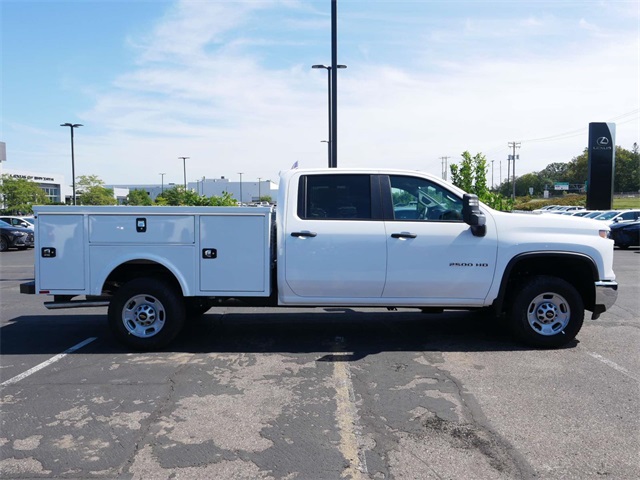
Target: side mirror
472,215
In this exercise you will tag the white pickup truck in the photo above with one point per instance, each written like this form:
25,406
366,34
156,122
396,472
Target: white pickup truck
338,237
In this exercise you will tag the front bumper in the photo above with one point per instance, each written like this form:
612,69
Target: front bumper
606,295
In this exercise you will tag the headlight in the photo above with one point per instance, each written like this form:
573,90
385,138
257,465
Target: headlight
16,233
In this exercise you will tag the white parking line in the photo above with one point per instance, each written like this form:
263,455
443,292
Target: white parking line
60,356
613,365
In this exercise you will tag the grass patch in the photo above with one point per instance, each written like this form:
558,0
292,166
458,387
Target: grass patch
528,204
626,202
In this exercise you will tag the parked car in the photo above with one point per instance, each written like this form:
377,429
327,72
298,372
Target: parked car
625,234
614,216
12,236
17,221
579,213
546,208
593,213
627,215
565,209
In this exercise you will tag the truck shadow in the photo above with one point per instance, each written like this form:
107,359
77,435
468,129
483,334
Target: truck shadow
335,334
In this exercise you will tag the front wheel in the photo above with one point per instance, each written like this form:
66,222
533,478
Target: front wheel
547,312
146,314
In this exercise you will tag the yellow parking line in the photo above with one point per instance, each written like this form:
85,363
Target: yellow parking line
348,424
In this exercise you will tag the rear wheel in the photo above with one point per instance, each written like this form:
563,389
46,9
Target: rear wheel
146,314
547,312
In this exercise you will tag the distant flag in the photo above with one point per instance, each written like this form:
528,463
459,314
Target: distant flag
294,166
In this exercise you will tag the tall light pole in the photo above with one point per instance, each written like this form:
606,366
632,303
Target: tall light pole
259,190
184,168
73,162
328,147
162,179
240,173
332,162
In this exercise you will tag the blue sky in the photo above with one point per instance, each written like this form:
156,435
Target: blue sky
229,84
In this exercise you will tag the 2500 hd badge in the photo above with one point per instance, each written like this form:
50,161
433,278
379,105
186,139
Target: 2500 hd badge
458,264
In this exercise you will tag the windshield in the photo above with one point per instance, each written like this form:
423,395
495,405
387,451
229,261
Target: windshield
607,215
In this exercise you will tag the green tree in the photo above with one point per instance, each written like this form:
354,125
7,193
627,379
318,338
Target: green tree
555,172
471,176
578,169
527,181
84,182
627,170
226,200
19,195
138,197
97,196
171,196
179,197
92,191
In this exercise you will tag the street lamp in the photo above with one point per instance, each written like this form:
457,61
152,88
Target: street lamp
162,187
184,168
328,69
240,173
73,163
259,191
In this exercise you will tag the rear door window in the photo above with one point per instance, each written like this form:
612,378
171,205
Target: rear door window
335,197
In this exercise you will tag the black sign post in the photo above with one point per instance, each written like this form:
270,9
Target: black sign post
602,162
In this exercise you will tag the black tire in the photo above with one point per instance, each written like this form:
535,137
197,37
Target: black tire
547,312
146,313
4,245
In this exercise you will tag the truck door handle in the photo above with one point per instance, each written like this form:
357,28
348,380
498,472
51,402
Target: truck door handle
304,233
404,235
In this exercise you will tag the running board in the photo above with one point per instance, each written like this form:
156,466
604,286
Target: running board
76,304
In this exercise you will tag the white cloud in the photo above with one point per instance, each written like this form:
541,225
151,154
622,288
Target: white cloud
202,88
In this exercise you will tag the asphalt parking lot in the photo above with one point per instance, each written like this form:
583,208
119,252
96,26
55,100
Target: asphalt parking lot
316,394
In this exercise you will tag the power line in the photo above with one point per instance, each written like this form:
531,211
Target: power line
584,130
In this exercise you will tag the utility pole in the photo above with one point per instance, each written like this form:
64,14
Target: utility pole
259,192
492,174
514,145
444,167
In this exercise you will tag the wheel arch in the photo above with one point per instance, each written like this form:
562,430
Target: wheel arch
143,267
576,268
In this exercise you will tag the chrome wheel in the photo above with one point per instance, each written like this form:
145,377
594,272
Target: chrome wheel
143,316
548,314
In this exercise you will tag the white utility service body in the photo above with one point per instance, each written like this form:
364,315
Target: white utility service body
338,237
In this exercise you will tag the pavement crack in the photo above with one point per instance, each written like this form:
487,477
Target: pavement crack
162,409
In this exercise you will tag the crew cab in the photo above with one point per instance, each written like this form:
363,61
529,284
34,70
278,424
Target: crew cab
337,237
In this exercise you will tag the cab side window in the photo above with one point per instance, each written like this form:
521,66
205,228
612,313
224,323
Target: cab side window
421,200
335,197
